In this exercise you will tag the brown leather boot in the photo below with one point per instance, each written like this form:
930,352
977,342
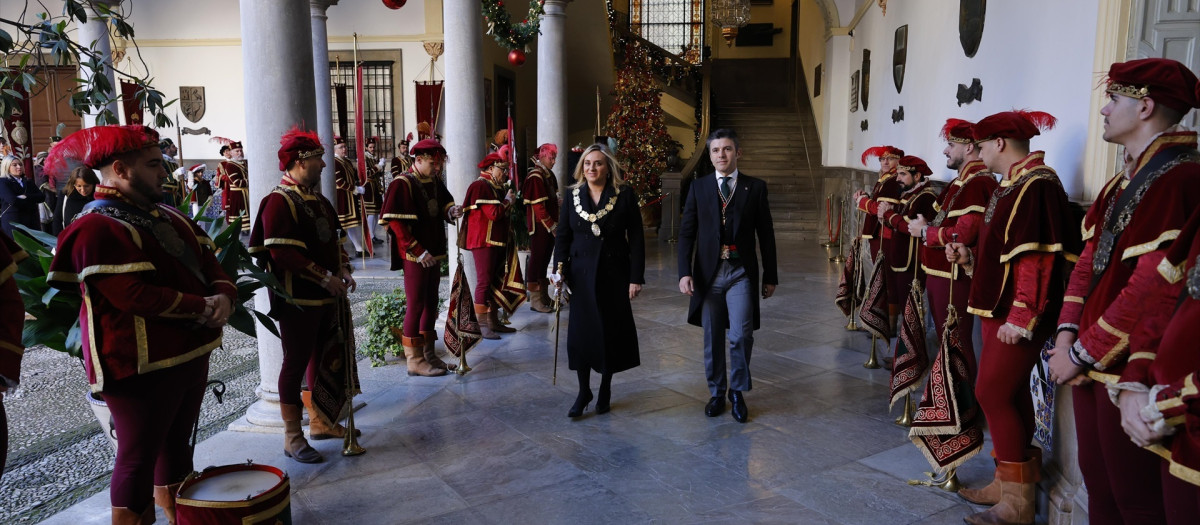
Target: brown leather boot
431,353
1018,488
538,300
124,516
990,494
294,444
317,429
164,497
497,326
483,313
414,352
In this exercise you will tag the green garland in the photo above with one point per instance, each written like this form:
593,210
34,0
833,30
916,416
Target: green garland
501,28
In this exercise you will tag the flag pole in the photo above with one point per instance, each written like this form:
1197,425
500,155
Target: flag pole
360,150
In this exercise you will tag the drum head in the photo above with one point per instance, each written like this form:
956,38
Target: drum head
240,485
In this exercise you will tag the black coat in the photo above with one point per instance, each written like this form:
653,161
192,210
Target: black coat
601,334
14,210
72,205
700,233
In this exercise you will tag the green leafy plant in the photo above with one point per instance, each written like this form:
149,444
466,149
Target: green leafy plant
55,312
385,312
38,40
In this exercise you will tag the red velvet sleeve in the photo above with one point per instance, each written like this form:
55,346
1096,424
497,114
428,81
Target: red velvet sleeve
292,260
1180,396
405,238
1031,279
129,293
967,228
1157,299
868,205
1108,340
1077,288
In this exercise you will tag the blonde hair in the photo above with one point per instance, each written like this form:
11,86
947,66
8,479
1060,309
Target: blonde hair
614,167
7,163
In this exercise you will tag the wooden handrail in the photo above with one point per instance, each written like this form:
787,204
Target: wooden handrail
705,122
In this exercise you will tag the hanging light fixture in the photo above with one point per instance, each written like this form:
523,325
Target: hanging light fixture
730,15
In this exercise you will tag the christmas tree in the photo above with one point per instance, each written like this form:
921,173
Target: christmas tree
638,124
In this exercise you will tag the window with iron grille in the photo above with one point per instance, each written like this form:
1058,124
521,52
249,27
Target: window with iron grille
377,105
674,25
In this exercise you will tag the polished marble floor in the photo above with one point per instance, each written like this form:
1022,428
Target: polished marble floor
496,446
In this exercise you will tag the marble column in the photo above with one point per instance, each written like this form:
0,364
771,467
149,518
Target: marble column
96,30
552,84
279,93
464,142
320,48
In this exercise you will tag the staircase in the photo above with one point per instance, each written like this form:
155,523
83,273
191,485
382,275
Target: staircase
780,146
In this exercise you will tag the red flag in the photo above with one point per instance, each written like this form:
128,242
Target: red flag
911,359
360,150
874,312
946,427
462,327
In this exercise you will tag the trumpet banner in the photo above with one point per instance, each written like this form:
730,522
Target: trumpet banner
511,292
946,427
850,287
911,359
874,311
330,390
462,327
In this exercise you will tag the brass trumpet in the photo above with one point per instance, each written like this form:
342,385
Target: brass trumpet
948,482
350,446
906,418
873,360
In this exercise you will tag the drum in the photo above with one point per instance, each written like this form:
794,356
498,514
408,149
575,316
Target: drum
229,494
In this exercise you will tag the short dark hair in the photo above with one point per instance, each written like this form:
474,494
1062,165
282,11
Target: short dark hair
723,133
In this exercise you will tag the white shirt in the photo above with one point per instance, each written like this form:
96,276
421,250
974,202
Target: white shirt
732,182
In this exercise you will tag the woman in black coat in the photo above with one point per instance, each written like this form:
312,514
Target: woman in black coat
19,197
79,190
599,244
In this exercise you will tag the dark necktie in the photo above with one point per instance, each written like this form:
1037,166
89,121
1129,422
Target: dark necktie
725,187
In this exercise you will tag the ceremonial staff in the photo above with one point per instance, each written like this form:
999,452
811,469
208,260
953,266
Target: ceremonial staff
557,316
360,151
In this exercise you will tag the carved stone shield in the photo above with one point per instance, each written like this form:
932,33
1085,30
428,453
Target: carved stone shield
866,78
191,100
970,24
900,56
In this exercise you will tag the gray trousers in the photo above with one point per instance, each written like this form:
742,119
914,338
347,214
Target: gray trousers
728,304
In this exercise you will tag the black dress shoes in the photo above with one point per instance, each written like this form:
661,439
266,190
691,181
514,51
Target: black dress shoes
715,406
740,413
581,403
602,400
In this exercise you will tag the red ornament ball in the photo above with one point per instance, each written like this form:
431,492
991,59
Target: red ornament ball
516,57
394,4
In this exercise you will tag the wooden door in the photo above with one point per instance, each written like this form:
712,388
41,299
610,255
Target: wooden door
1167,29
52,105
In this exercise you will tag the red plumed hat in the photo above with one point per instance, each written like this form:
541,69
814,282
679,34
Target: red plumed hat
202,166
1018,124
958,130
337,139
97,146
1166,81
427,147
298,144
913,164
882,152
407,139
493,158
221,140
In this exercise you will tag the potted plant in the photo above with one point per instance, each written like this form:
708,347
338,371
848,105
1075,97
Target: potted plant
52,316
385,322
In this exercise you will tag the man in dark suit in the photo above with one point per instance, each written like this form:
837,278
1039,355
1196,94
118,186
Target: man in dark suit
725,219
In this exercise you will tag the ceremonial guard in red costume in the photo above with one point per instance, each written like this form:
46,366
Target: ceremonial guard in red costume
12,321
1128,231
540,191
296,237
172,188
1158,388
233,177
403,160
350,193
1019,266
155,300
917,197
416,210
886,189
486,207
960,212
373,187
